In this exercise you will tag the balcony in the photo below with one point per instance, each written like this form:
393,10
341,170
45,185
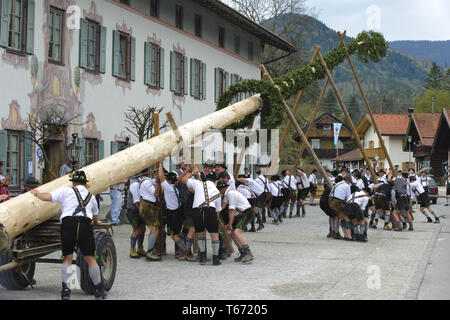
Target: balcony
372,153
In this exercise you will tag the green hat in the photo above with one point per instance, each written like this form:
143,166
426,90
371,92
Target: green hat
79,177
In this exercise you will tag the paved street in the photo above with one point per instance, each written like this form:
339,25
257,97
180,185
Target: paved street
293,260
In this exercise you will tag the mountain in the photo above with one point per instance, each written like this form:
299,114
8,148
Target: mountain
391,86
437,51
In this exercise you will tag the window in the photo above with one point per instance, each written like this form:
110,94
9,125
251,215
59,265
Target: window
371,144
326,127
17,25
154,66
91,151
179,16
124,49
127,2
154,8
198,25
13,158
235,78
198,79
237,44
221,83
92,55
222,37
250,50
315,143
55,34
178,73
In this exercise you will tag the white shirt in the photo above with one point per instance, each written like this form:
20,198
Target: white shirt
119,187
416,189
199,194
425,181
302,181
147,190
275,188
360,198
69,203
236,200
291,182
256,187
232,182
313,179
246,191
171,195
134,190
341,191
263,182
360,184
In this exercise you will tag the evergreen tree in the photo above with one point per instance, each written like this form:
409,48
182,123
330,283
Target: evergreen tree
435,79
330,104
355,111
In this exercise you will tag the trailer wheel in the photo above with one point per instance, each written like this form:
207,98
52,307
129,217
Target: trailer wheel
106,259
18,278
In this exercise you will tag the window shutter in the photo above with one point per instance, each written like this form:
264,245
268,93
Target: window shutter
101,149
191,77
103,34
172,70
132,58
186,72
161,68
4,24
82,157
27,153
147,64
30,27
203,80
227,80
116,53
3,142
83,43
216,84
232,79
114,147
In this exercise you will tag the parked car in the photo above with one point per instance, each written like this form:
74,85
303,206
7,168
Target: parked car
433,190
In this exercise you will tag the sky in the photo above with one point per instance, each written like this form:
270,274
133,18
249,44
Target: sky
395,19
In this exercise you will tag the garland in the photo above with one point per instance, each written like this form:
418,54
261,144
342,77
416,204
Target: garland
368,46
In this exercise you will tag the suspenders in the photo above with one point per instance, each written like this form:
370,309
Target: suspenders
208,200
81,203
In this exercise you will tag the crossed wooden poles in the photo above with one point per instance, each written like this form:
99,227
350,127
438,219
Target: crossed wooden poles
304,137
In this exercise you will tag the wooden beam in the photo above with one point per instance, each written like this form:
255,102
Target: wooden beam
366,102
303,137
349,119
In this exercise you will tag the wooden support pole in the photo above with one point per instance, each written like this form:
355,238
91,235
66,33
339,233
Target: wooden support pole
349,119
313,118
303,137
160,245
275,155
240,157
366,102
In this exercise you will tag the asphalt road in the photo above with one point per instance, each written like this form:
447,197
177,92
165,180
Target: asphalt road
293,260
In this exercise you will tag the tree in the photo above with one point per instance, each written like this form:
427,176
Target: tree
330,104
441,100
435,79
355,111
141,122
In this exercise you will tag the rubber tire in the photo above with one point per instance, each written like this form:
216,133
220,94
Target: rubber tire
13,280
105,247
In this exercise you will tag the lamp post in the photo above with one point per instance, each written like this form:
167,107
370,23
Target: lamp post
409,143
73,150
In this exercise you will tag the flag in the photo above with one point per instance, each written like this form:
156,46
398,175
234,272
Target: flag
336,129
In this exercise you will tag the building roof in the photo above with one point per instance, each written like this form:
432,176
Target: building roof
388,124
247,24
442,130
426,125
354,155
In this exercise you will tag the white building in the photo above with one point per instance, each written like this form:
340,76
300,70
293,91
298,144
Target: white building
92,60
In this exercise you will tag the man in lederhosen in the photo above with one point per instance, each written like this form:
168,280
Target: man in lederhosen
207,204
338,197
79,211
303,190
418,192
264,182
258,190
239,214
313,182
289,193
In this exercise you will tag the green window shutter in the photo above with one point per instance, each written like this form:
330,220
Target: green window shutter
227,80
82,158
101,149
216,84
161,68
132,58
114,147
147,63
83,43
103,36
3,142
185,72
172,70
191,77
203,80
4,23
30,27
27,154
116,53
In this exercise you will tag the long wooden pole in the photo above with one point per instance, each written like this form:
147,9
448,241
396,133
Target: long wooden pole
275,155
366,102
303,137
349,119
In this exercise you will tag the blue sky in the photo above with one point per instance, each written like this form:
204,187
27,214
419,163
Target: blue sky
396,19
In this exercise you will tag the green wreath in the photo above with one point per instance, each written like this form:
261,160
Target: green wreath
368,46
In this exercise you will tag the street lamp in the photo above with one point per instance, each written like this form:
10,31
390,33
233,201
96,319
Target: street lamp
409,143
73,150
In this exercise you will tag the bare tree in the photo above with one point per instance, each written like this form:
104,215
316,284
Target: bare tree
141,123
